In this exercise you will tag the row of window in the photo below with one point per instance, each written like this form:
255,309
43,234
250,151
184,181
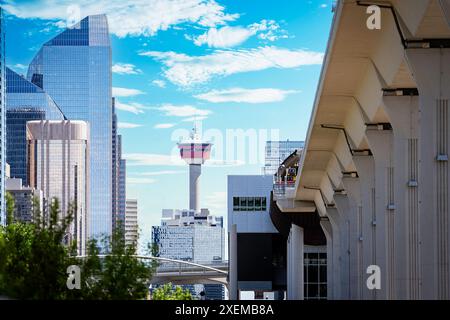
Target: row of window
249,204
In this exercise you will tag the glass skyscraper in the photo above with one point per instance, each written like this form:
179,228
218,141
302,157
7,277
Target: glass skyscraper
74,68
25,102
2,120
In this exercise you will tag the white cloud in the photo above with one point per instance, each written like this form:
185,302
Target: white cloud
196,118
135,108
227,37
263,95
164,125
127,125
161,173
323,5
129,18
183,111
268,30
125,92
149,159
185,71
20,66
159,83
125,68
133,180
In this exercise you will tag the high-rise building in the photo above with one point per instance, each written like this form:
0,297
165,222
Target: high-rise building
58,165
24,200
131,222
24,102
277,151
116,157
122,190
192,236
2,120
74,68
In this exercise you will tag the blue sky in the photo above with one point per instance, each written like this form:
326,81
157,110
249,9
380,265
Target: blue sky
250,64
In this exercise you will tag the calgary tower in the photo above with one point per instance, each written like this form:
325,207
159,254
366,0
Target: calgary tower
195,152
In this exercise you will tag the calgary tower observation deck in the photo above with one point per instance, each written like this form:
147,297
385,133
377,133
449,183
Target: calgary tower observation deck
195,152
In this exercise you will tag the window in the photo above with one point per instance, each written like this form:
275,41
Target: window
243,204
315,275
235,204
249,204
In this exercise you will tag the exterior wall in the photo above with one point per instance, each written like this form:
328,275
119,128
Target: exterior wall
131,221
250,186
74,68
58,153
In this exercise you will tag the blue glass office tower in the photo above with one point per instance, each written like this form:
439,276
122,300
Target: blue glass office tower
2,121
74,68
24,102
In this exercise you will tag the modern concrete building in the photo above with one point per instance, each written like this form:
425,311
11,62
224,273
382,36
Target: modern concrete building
74,68
255,246
24,205
2,119
375,165
131,222
58,164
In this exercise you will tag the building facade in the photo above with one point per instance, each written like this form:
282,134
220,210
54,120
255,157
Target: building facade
2,119
58,154
74,68
24,102
118,177
24,205
374,169
131,222
257,262
277,151
192,236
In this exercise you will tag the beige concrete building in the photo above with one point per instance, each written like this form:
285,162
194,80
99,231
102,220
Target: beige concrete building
57,164
375,164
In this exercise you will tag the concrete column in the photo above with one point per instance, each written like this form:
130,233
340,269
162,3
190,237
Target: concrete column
403,112
295,264
233,263
380,142
195,170
357,281
367,222
333,281
431,69
345,211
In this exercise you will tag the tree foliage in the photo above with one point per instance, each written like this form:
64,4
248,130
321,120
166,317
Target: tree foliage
34,258
170,292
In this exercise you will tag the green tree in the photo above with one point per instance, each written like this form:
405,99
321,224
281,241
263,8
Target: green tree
10,204
34,259
170,292
117,275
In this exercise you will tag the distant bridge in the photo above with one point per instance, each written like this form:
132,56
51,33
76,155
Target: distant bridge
185,272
